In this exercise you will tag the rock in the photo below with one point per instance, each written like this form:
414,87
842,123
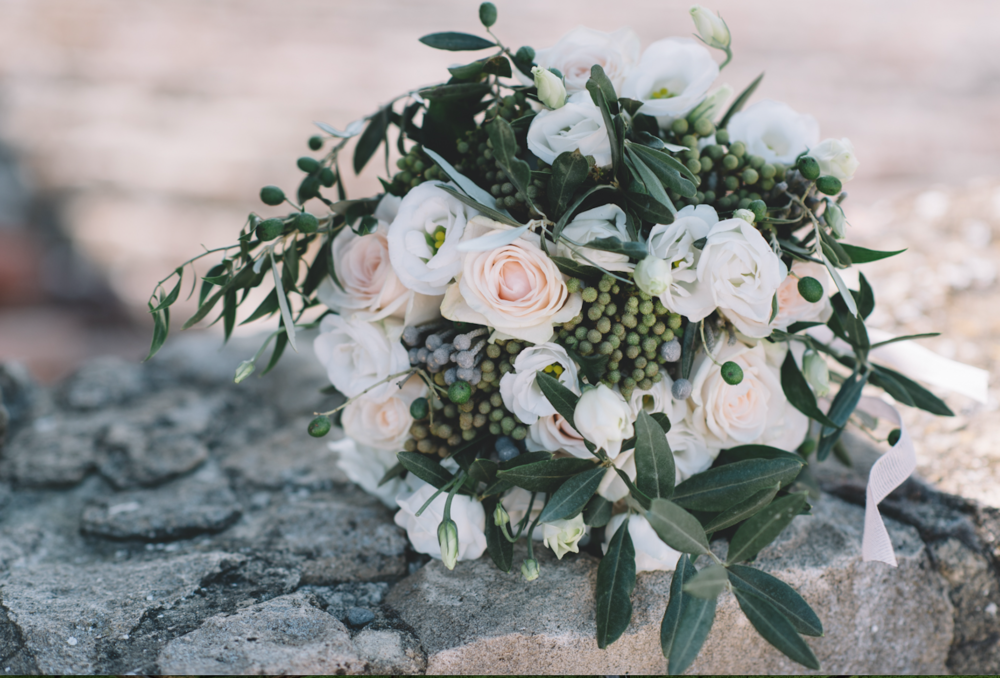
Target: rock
103,382
877,619
286,635
179,510
287,458
18,392
390,651
360,616
341,598
51,452
135,459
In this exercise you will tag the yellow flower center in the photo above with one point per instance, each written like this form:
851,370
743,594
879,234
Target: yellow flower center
554,369
662,93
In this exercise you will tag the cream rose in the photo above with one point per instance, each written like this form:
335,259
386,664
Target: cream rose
384,423
604,418
423,238
515,289
836,158
553,433
422,530
774,131
519,390
582,48
577,126
366,466
358,354
672,78
792,307
674,243
606,221
650,552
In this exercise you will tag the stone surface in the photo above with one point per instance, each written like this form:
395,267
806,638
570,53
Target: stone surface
479,620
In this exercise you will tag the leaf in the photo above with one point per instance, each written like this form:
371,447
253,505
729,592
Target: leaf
161,327
491,241
633,250
653,185
569,171
544,476
203,310
866,300
742,510
229,314
649,209
482,471
591,366
174,293
498,65
891,386
689,344
740,101
687,621
782,596
567,215
456,91
504,141
425,468
636,493
597,94
654,462
861,255
830,246
847,325
676,527
558,396
908,337
763,528
671,171
286,313
662,419
396,471
798,393
500,549
775,629
482,209
921,397
615,583
607,88
597,512
743,452
279,348
647,139
370,139
708,583
352,130
840,411
572,496
456,42
723,486
841,286
467,71
575,269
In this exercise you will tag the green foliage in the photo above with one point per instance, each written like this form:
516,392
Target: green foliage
615,582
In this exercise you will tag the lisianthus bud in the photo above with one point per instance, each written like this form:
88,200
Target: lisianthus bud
245,369
712,104
745,215
835,219
604,418
551,90
563,536
529,569
500,516
816,373
652,275
711,27
448,541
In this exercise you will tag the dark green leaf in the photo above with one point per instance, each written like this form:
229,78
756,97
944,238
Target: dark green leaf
396,471
633,250
204,309
597,512
654,462
649,209
229,314
544,476
891,386
687,621
318,271
458,90
663,420
782,596
689,345
280,342
456,42
481,208
172,296
500,550
558,396
504,141
921,397
742,510
568,214
775,629
371,138
799,326
498,65
865,298
860,255
908,337
569,171
740,101
672,172
467,71
636,493
676,527
840,411
708,583
642,173
630,106
591,366
723,486
763,528
596,93
834,250
743,452
797,390
425,468
603,82
160,330
575,269
483,471
572,496
615,582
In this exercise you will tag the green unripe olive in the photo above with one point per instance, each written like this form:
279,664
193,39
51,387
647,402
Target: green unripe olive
809,168
419,408
810,289
738,149
750,175
307,164
894,436
525,55
756,162
689,140
704,127
488,14
767,184
305,223
272,195
327,177
732,373
315,143
706,163
722,136
829,185
767,170
694,165
319,426
731,183
679,126
459,392
759,210
269,229
730,162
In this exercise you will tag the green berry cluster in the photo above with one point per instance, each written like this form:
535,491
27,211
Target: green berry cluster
625,324
414,169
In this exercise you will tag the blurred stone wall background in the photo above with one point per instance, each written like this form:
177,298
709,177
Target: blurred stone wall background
131,131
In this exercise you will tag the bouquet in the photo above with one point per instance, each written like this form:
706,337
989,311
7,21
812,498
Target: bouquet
594,304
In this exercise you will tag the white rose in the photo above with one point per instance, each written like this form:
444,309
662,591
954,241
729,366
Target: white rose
577,126
358,354
551,90
582,48
739,274
384,423
774,131
792,307
467,513
521,393
366,466
672,78
711,27
601,222
650,552
674,243
604,418
563,536
836,158
423,238
552,434
515,289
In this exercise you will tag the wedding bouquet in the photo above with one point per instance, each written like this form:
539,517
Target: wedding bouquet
593,305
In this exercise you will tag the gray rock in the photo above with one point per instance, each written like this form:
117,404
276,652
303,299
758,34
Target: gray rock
103,382
135,459
342,597
360,616
51,452
18,392
286,635
877,619
289,457
390,651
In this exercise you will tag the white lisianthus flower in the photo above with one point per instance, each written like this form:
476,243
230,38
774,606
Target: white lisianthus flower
551,90
711,27
366,284
423,238
652,276
603,417
563,536
516,289
606,221
577,126
358,354
580,49
466,512
553,433
672,78
816,372
384,423
520,391
792,307
674,243
774,131
612,487
366,466
651,553
739,274
836,158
